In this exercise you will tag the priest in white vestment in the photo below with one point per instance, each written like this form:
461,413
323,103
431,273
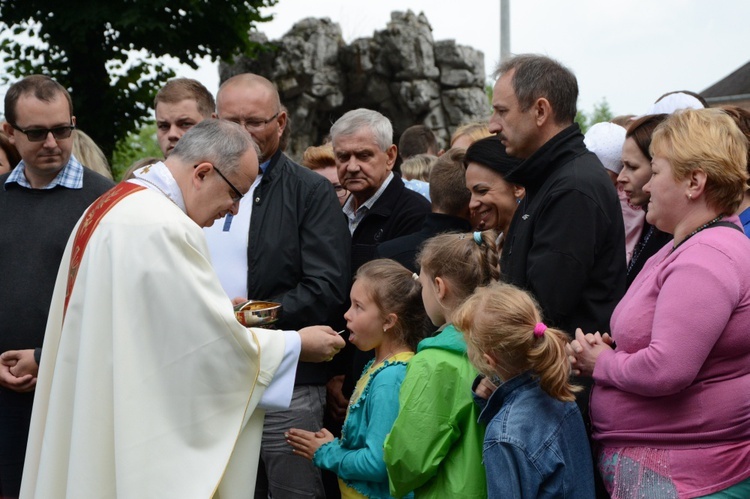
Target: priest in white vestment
148,386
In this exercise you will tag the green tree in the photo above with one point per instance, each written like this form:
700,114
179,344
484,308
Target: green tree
88,46
582,120
136,145
600,114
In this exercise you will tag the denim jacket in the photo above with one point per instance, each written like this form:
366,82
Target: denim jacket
535,445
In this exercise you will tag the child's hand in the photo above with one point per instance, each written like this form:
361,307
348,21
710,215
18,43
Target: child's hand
485,388
305,442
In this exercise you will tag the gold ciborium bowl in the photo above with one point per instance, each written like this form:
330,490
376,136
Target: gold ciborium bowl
257,313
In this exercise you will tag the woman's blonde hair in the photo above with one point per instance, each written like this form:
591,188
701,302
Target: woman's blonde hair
394,290
418,167
89,154
707,140
461,260
504,322
475,131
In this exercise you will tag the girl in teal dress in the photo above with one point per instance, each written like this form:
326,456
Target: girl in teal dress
387,316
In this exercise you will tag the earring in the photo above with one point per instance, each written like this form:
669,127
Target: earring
690,197
518,200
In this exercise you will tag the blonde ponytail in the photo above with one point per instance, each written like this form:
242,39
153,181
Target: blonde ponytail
504,322
547,358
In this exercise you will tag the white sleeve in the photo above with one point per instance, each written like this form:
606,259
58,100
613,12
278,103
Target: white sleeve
278,395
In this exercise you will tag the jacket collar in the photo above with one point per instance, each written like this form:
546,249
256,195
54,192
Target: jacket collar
448,338
553,155
523,381
270,169
384,205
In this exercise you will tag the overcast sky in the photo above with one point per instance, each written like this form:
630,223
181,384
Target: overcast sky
629,52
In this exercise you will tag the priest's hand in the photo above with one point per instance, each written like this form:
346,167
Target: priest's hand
319,343
237,300
305,442
18,370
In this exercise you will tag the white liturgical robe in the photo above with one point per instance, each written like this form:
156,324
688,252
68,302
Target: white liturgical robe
147,385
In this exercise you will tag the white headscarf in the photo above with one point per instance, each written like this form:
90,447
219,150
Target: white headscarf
674,102
606,140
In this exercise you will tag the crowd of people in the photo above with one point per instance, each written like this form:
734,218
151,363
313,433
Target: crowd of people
525,312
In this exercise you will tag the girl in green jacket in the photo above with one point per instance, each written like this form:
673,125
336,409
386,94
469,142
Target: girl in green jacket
435,445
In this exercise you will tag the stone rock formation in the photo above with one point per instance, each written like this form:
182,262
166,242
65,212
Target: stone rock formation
400,71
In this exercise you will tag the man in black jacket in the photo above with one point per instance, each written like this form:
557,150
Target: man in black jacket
566,243
288,243
380,207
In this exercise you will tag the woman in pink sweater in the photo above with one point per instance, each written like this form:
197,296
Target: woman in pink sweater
671,404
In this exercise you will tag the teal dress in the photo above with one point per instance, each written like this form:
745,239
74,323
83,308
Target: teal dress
357,457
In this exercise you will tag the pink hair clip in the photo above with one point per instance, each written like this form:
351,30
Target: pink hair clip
539,329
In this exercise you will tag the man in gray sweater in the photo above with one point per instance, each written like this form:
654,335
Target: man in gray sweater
40,200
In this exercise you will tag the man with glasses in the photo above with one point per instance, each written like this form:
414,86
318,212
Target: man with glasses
150,385
40,201
289,243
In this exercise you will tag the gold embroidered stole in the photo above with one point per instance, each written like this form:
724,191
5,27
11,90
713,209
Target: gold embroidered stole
91,219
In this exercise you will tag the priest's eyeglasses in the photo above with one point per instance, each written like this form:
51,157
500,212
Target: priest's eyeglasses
237,194
40,134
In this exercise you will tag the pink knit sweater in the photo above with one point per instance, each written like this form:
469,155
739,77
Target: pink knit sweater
680,376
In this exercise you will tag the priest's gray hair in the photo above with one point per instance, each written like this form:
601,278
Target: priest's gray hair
354,120
221,143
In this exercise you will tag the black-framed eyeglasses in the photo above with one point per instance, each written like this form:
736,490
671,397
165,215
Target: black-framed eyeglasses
256,124
40,134
238,195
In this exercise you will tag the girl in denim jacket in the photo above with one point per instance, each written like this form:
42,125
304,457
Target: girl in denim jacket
386,315
535,444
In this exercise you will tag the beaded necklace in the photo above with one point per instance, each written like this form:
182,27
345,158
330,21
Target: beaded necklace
704,226
639,248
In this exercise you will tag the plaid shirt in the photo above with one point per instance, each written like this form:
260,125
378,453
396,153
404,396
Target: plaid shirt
71,176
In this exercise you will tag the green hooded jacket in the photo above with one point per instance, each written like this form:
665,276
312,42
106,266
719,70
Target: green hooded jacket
435,445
